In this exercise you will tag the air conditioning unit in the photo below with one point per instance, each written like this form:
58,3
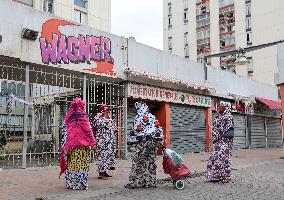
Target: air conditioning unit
29,34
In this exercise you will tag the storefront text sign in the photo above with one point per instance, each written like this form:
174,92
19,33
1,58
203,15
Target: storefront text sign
159,94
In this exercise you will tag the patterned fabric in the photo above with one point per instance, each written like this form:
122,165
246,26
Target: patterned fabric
146,124
144,166
78,163
219,165
148,131
105,134
79,132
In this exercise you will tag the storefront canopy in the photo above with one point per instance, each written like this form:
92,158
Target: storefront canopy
270,103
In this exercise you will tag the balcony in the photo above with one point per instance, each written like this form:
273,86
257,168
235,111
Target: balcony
203,41
230,21
200,2
228,47
228,33
226,8
202,28
203,16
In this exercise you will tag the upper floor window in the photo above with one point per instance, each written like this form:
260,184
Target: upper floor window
186,51
81,3
47,6
26,2
248,23
170,43
185,4
248,9
186,38
170,8
80,17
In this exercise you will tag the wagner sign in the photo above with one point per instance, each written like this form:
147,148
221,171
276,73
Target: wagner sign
159,94
57,48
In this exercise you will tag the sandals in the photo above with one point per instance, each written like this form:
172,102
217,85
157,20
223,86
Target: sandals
226,181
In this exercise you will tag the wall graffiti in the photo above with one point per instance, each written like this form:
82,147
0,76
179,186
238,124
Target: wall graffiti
57,48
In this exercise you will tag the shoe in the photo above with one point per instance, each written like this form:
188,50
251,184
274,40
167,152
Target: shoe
112,168
107,175
129,186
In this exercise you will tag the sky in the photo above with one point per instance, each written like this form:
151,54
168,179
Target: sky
142,19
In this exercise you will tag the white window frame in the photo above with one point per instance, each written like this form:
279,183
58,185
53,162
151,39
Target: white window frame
248,22
45,4
80,19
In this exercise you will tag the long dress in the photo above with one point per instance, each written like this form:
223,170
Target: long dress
78,165
149,131
77,146
219,165
105,134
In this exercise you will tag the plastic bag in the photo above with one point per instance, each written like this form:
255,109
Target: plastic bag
176,158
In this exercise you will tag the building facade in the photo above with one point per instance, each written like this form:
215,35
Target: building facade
196,28
93,13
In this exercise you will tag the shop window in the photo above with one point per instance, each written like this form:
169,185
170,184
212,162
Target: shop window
47,6
80,17
26,2
81,3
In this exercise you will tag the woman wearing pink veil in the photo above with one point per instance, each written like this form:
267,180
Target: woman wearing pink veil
77,143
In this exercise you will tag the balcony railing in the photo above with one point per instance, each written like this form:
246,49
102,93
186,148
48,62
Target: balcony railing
203,16
228,47
201,28
226,8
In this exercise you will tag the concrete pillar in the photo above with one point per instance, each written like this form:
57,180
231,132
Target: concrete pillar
163,115
208,122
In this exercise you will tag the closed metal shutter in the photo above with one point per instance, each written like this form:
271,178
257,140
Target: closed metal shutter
274,132
240,131
188,130
258,135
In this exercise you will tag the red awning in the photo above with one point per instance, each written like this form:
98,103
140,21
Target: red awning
270,103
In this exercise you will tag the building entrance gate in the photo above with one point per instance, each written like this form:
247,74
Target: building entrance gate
34,100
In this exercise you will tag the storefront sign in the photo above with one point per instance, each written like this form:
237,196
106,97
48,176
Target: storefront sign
159,94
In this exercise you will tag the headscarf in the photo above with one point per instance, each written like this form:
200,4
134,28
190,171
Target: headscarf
146,124
79,132
226,119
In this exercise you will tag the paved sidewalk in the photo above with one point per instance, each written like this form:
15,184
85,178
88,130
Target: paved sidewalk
257,174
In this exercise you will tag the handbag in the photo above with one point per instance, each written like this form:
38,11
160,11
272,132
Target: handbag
229,134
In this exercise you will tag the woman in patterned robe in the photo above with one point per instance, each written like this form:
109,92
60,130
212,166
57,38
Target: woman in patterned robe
219,165
78,141
104,128
149,134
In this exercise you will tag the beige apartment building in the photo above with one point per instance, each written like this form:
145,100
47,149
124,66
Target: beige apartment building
93,13
196,28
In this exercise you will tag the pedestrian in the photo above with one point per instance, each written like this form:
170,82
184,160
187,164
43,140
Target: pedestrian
149,135
219,165
104,128
77,143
